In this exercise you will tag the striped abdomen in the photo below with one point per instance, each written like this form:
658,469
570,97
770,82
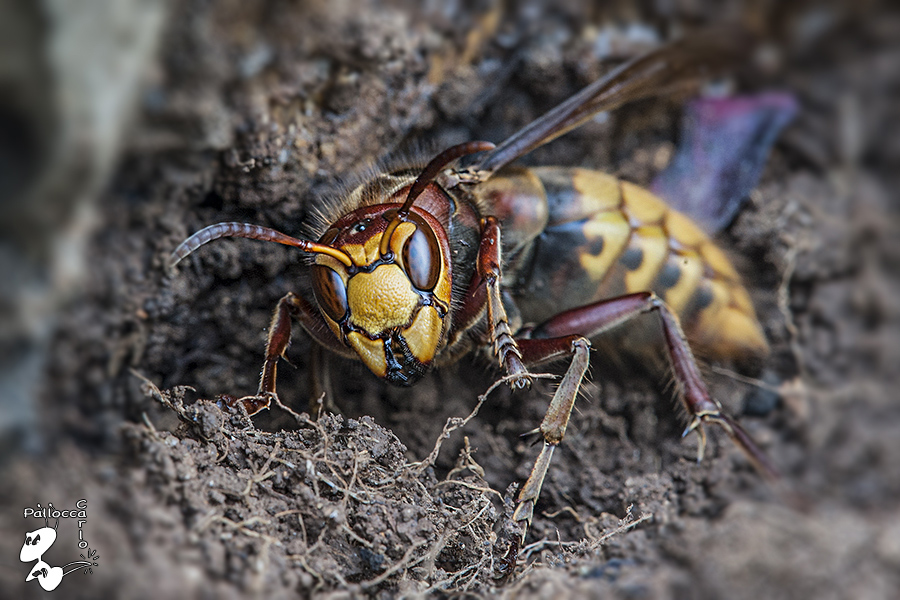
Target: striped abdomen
603,237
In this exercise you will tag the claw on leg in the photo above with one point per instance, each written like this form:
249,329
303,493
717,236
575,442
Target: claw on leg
251,404
507,565
696,424
257,403
739,436
521,380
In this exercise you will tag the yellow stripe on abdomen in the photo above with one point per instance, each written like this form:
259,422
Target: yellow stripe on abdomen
653,247
686,271
611,231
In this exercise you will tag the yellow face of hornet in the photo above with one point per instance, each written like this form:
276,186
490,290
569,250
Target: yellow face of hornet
391,309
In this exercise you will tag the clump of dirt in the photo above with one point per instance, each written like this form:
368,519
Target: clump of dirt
331,504
255,110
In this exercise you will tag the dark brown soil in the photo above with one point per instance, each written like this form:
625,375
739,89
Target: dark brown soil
253,110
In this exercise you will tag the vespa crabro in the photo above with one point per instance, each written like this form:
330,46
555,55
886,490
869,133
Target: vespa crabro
417,266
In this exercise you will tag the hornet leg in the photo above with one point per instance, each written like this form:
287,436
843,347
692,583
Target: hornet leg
290,306
553,427
566,333
505,345
278,340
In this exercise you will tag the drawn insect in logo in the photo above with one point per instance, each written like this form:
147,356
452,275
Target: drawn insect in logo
416,267
37,542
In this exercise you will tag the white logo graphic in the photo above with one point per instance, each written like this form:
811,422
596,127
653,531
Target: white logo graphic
37,542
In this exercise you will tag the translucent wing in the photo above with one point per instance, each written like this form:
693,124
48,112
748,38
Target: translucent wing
663,70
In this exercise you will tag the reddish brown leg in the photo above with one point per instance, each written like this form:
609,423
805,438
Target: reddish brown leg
563,334
505,346
276,345
594,319
289,306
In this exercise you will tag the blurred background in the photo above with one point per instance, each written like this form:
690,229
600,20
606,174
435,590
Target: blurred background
125,125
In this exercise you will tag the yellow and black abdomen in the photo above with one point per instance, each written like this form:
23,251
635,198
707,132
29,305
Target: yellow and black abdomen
598,237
